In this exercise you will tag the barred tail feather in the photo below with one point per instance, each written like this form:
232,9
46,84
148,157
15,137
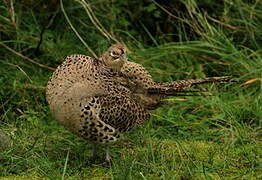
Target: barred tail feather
173,88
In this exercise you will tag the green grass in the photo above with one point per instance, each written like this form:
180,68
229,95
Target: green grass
213,137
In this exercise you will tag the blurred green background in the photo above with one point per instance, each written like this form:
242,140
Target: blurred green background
214,137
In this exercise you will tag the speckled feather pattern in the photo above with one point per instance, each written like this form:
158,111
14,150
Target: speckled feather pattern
88,98
99,99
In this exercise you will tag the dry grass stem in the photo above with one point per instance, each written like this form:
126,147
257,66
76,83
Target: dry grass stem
26,58
75,31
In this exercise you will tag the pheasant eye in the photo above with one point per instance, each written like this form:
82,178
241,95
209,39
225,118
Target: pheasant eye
114,55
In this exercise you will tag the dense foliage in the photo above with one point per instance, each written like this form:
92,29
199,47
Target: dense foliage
209,137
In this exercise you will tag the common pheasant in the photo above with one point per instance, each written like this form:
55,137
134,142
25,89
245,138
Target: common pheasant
100,99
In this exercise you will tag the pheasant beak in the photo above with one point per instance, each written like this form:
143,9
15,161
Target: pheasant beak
123,57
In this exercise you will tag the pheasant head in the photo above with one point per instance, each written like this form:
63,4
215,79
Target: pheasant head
115,57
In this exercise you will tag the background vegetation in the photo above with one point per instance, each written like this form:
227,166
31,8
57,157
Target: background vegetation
215,137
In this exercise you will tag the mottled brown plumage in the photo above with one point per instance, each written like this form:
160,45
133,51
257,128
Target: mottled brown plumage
99,99
151,94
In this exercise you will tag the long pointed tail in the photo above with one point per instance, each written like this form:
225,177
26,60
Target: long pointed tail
177,87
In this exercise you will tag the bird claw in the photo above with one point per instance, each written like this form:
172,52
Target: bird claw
106,163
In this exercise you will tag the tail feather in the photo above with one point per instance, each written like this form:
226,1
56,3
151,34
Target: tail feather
177,87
